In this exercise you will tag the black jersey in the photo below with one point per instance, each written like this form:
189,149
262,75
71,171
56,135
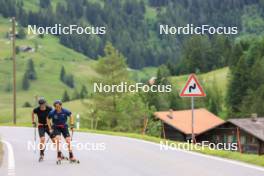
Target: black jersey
42,115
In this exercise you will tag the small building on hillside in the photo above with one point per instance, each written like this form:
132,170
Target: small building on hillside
248,133
177,125
26,49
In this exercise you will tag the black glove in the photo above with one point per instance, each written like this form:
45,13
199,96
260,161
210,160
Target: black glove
34,124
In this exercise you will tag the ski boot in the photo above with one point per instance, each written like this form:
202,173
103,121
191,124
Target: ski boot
72,159
59,158
41,158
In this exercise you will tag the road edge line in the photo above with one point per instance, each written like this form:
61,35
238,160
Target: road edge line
11,158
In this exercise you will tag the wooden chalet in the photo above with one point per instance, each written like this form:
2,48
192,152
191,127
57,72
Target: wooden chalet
248,133
177,125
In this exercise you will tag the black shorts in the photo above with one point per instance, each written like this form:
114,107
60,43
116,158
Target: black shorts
57,131
42,129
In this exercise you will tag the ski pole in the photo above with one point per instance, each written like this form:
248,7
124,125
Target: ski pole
72,134
46,143
35,137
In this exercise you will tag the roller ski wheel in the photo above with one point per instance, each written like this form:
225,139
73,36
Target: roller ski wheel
58,162
74,161
41,158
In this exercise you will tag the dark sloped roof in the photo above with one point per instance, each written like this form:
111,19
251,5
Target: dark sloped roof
255,128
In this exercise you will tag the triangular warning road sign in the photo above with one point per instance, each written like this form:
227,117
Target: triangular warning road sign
192,88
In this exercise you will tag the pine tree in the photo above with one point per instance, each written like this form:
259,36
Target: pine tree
31,73
238,85
69,80
84,92
25,82
62,73
65,96
113,71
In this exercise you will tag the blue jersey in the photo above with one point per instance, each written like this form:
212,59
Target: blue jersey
59,118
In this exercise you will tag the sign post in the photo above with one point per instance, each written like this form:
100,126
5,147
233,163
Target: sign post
78,121
193,136
192,89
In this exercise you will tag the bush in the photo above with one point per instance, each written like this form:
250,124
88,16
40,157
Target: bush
41,36
26,105
17,50
21,33
8,87
154,128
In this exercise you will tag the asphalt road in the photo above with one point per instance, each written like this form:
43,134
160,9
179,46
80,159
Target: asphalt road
113,156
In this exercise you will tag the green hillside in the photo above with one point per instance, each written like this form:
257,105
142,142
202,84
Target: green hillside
48,60
49,56
79,107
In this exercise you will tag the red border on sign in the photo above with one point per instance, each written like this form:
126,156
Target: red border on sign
202,94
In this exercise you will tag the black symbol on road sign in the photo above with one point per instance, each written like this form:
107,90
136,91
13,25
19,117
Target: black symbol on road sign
192,87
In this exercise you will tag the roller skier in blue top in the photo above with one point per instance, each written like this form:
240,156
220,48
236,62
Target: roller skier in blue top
59,117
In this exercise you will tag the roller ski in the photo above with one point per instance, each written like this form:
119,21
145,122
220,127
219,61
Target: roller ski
41,158
62,158
59,158
73,159
58,162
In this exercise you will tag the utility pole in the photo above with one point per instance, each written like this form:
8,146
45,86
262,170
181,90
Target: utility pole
14,67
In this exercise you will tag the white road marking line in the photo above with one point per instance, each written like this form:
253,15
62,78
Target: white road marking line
11,158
